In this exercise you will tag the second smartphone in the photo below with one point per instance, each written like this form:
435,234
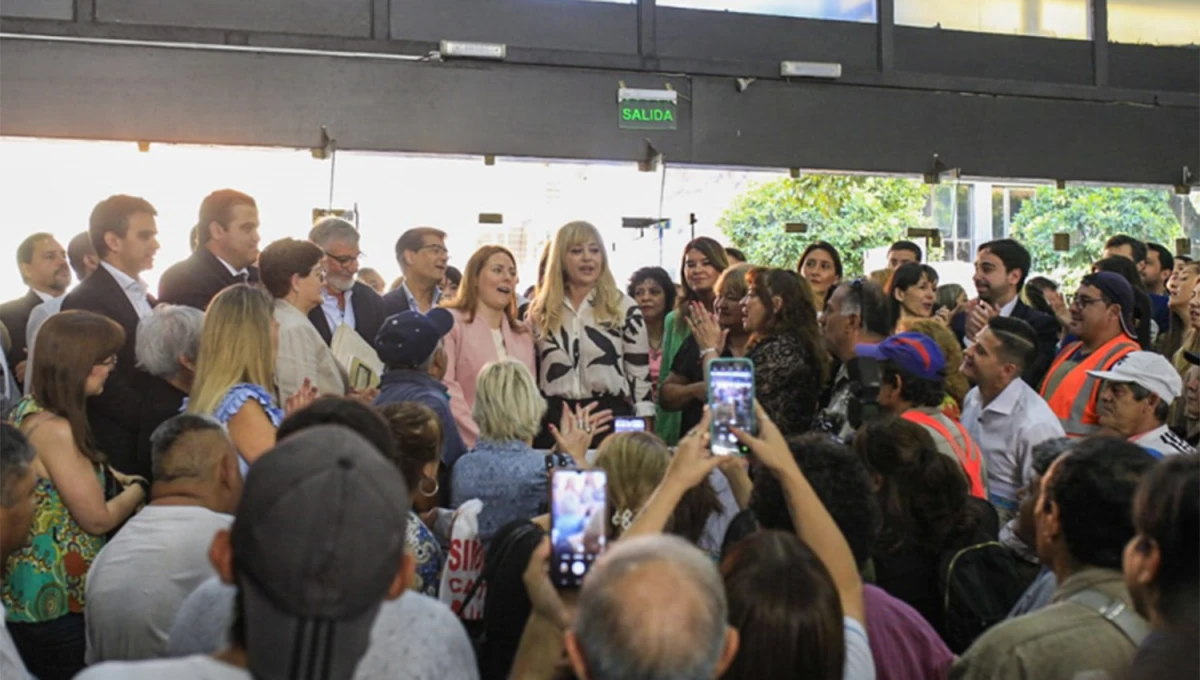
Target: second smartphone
730,403
578,524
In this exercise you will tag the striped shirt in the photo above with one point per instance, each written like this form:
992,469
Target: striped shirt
1161,441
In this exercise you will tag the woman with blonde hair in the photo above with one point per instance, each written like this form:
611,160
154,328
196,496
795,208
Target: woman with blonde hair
485,330
635,463
46,580
235,371
503,470
591,338
956,383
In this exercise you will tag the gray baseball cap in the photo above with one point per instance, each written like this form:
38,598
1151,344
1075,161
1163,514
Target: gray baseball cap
317,540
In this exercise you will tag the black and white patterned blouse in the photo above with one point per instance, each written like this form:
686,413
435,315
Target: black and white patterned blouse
585,359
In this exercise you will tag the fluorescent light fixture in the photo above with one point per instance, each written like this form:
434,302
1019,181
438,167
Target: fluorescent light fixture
473,50
809,69
626,94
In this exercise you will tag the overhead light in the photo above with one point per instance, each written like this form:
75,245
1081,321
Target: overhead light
473,50
809,69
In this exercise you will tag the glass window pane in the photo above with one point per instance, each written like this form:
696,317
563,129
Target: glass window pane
840,10
963,210
1045,18
998,212
1154,22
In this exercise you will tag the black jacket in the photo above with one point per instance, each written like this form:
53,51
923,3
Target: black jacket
15,317
115,415
369,314
197,280
1045,326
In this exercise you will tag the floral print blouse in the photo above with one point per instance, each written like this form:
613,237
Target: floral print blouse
586,359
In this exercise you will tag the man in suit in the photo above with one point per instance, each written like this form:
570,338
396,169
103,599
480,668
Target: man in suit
422,256
125,235
82,256
1000,270
343,300
226,249
43,264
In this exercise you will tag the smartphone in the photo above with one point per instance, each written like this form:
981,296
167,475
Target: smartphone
578,524
730,402
629,424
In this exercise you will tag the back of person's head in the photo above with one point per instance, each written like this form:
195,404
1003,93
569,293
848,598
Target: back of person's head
1013,255
1090,491
508,404
79,250
736,254
1035,294
190,447
1137,247
635,463
922,493
285,258
218,207
1018,341
236,346
112,215
868,299
785,607
840,480
317,545
167,338
417,431
68,348
909,246
653,608
453,275
1123,266
948,295
16,490
955,384
1162,562
350,413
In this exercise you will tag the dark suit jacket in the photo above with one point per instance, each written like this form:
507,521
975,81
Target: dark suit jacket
197,280
161,401
368,314
115,415
15,317
395,302
1044,325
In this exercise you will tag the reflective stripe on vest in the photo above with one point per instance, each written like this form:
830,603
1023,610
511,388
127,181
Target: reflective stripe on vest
971,459
1071,392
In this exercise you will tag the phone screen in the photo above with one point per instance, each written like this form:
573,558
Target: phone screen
730,402
629,424
578,524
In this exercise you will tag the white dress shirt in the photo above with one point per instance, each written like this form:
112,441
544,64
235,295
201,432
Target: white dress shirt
1006,430
334,315
135,289
233,272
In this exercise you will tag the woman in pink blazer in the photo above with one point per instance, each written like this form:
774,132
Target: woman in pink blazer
485,329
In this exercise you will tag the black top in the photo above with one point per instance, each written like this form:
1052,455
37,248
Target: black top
689,366
197,280
787,382
369,314
15,317
115,415
161,402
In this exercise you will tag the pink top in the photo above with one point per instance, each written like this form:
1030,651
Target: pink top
468,347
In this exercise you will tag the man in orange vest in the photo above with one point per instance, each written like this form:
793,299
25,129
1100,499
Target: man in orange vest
913,386
1102,322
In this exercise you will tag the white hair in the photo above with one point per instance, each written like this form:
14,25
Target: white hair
508,404
170,332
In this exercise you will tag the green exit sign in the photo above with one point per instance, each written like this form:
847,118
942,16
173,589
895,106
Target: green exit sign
647,109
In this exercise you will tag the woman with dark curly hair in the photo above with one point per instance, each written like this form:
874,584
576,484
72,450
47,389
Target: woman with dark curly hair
790,361
925,508
652,289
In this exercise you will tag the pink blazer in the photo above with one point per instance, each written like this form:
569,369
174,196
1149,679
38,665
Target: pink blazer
468,347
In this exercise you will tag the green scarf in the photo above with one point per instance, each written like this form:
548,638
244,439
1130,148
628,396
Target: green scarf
667,423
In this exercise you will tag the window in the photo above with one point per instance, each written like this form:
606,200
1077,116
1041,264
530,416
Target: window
1154,22
839,10
1045,18
950,211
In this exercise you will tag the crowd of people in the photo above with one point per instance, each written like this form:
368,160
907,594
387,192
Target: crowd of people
201,484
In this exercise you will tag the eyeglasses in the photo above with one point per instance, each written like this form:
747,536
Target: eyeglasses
110,362
437,249
345,260
1082,301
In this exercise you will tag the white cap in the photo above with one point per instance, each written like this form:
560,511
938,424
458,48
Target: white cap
1148,369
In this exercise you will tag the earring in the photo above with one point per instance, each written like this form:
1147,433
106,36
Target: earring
428,494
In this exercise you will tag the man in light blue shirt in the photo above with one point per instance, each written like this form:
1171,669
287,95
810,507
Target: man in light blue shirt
1005,416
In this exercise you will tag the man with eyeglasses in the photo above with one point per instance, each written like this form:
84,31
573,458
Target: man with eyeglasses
422,256
343,299
856,313
1102,322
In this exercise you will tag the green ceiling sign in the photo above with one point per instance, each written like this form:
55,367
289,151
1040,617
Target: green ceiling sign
647,109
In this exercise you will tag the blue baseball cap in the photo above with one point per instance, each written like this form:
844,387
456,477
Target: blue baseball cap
408,338
915,353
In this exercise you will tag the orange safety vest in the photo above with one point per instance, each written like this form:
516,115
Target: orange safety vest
971,458
1071,392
